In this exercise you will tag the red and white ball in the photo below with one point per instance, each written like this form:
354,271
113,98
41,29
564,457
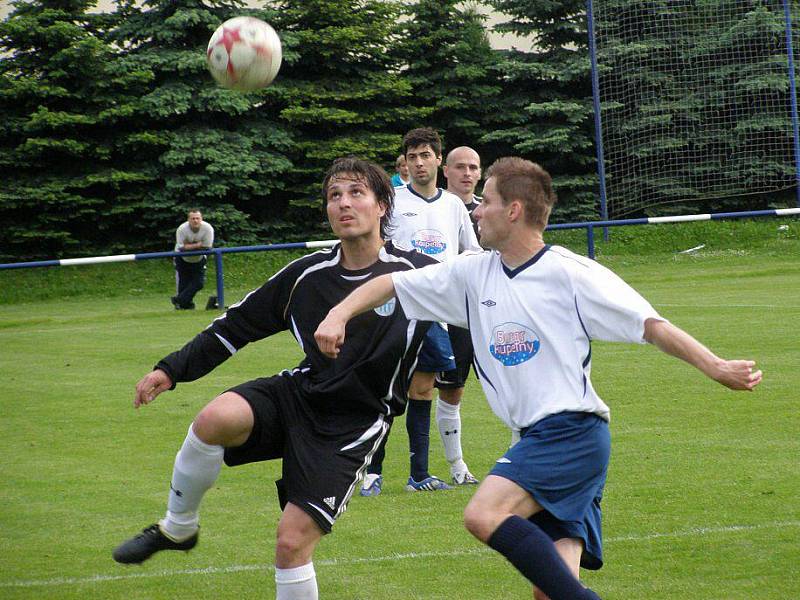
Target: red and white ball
244,54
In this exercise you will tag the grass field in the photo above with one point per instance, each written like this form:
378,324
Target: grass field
701,502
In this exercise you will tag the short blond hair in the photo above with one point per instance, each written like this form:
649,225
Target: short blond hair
525,181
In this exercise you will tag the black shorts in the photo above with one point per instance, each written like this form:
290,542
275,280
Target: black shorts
324,456
461,342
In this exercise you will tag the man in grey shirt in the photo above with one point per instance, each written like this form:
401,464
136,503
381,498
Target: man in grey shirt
190,271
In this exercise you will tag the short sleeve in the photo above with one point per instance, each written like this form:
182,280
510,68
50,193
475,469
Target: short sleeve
434,293
609,308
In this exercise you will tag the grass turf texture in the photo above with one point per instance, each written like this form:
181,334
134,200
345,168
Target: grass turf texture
701,500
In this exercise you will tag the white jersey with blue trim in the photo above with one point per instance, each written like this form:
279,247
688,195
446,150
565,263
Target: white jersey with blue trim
439,226
532,326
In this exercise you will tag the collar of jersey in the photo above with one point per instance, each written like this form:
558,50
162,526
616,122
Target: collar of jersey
418,195
511,273
388,246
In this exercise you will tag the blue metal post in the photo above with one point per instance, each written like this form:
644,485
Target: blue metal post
793,96
598,123
590,241
220,285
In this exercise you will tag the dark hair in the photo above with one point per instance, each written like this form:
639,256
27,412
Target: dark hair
374,176
420,137
523,180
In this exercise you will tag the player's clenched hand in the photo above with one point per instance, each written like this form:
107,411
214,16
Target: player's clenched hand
738,374
150,386
330,334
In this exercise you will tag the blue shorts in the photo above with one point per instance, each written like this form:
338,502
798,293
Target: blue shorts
562,461
436,353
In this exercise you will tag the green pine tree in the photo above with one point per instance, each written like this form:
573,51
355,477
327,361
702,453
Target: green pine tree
547,109
449,64
343,90
62,94
696,98
200,144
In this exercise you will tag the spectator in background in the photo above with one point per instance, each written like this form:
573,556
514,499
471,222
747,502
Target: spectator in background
190,271
401,177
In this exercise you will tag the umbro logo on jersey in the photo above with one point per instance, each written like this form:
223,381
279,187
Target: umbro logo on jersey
489,303
331,502
503,460
409,214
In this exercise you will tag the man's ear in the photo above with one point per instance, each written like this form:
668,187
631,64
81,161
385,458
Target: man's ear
515,210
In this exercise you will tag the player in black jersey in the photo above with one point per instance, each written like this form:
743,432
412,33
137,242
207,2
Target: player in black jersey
324,418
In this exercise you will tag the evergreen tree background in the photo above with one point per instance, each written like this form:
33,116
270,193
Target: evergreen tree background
707,121
547,99
448,63
63,93
200,145
343,94
112,128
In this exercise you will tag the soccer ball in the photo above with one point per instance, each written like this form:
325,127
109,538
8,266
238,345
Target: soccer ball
244,54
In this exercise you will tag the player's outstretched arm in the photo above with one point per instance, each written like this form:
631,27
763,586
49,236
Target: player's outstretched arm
330,333
150,386
735,374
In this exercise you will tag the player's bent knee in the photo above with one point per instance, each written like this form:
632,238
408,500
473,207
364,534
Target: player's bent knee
451,396
226,421
478,522
297,536
290,545
421,387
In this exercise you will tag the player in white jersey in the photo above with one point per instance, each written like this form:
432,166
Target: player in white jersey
462,169
436,223
533,310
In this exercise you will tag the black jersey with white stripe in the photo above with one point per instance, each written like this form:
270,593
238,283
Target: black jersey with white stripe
375,362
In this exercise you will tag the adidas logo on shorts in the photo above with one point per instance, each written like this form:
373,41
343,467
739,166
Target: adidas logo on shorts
330,501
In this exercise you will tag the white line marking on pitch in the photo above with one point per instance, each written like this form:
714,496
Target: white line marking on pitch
779,306
61,581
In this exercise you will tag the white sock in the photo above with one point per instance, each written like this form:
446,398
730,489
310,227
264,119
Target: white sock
299,583
369,479
197,465
448,418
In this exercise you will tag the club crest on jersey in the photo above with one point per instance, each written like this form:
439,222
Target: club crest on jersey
384,310
429,241
513,344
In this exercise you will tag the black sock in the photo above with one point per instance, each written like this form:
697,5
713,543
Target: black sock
418,425
534,555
